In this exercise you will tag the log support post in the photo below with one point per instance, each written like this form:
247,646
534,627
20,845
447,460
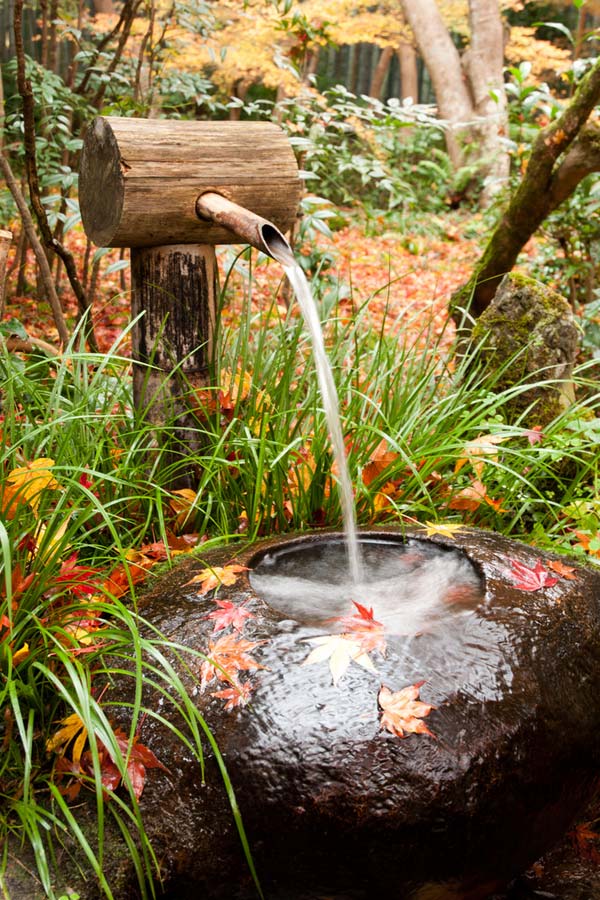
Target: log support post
140,187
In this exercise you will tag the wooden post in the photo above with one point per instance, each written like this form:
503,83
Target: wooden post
139,184
5,242
174,296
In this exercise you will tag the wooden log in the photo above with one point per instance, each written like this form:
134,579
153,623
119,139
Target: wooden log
174,291
5,242
140,178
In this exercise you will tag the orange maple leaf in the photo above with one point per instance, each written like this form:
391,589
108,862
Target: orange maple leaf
226,657
471,497
586,841
561,569
214,576
381,458
236,695
402,712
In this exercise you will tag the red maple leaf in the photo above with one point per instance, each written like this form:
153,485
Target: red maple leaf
81,580
229,614
138,756
364,628
534,435
527,579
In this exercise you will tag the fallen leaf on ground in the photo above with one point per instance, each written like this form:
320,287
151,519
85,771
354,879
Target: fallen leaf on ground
81,580
381,458
226,657
213,577
480,451
33,478
236,695
586,841
534,435
527,579
471,497
72,729
561,569
229,613
403,712
340,650
446,529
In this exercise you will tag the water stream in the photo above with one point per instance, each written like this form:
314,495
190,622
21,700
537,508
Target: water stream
329,397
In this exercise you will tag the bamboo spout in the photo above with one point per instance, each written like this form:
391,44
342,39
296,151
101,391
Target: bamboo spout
253,229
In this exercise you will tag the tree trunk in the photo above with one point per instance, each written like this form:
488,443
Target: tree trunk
443,63
545,184
470,90
104,6
409,75
380,73
484,65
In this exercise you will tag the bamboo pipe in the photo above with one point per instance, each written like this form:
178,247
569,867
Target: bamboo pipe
251,228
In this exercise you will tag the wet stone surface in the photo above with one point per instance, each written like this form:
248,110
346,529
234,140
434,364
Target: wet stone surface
336,806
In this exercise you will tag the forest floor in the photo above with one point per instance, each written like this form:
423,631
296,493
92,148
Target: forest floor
404,279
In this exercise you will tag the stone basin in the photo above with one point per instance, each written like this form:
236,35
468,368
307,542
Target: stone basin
334,804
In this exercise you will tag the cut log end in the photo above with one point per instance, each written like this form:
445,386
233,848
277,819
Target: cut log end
101,187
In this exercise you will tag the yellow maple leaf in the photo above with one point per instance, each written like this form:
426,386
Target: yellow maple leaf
214,576
21,654
446,529
33,478
72,728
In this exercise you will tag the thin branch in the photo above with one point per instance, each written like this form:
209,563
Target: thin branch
132,8
26,93
80,89
42,260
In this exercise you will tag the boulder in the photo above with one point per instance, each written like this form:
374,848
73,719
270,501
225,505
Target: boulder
528,335
335,804
499,757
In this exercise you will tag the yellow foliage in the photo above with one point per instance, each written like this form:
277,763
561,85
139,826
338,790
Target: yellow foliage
30,480
544,56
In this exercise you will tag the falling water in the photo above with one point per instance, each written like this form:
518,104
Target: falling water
329,397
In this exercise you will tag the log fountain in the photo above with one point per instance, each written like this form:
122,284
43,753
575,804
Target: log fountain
425,732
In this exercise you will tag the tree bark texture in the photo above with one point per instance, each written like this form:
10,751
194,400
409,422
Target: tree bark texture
174,290
484,64
443,63
547,181
469,90
409,75
380,72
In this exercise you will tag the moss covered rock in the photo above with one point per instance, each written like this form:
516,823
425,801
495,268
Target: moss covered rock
527,335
